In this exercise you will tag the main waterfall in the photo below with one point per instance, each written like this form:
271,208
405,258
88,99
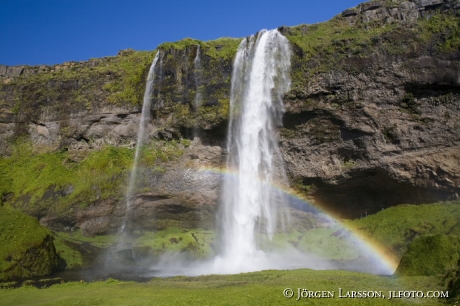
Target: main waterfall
255,187
249,203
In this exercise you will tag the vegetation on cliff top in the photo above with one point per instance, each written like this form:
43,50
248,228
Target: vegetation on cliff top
119,79
340,45
223,48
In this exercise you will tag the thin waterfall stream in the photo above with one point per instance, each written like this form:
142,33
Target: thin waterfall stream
144,119
197,74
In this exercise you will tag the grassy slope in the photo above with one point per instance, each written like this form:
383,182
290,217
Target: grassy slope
431,255
395,228
259,288
55,181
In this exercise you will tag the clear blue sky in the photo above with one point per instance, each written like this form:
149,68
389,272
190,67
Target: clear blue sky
34,32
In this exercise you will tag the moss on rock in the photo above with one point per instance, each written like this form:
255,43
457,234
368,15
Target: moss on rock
27,247
55,183
430,255
396,227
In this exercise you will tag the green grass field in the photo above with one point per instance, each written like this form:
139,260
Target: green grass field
258,288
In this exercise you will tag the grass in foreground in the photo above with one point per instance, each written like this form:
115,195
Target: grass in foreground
258,288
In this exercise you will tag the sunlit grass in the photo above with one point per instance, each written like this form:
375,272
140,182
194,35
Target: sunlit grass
258,288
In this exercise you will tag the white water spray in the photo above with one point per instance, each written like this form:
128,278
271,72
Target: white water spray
145,116
259,80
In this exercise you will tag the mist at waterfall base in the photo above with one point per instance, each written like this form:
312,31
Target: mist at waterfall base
251,210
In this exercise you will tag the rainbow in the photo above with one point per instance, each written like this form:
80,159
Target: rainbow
388,260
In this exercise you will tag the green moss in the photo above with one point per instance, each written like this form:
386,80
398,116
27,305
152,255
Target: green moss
258,288
100,241
215,114
19,234
54,181
408,102
223,48
323,243
395,227
179,45
430,255
196,242
128,87
80,251
162,151
205,116
442,28
122,79
341,46
334,40
72,257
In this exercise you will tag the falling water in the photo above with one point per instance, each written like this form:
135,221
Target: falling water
197,68
259,80
198,97
145,116
251,206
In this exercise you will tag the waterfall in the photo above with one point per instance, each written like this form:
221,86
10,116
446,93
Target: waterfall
198,97
254,185
260,78
197,73
145,116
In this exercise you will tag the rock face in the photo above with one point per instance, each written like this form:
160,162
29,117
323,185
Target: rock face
403,11
185,196
379,126
371,119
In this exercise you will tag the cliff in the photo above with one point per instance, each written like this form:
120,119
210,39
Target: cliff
372,118
371,121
